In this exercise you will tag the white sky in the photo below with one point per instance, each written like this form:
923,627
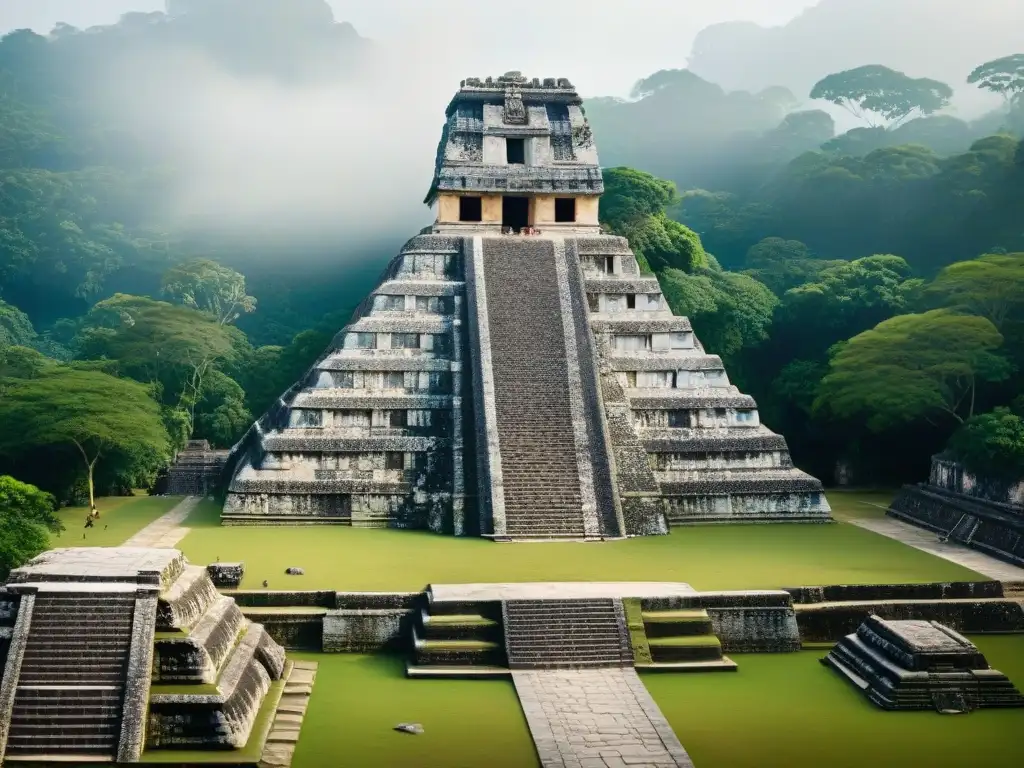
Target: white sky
603,46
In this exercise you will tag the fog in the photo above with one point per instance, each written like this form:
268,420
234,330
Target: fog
353,155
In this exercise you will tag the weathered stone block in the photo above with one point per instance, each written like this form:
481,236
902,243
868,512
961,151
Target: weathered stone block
226,574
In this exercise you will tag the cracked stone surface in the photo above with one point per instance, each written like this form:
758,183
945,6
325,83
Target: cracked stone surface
166,531
596,718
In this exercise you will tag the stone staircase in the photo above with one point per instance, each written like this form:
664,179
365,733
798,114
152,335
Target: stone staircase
683,640
70,692
556,634
539,467
458,640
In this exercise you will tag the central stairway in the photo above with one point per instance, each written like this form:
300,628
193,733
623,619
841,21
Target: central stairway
539,466
555,634
69,699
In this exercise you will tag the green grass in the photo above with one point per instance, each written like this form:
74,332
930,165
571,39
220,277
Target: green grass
684,641
358,700
708,557
121,517
789,711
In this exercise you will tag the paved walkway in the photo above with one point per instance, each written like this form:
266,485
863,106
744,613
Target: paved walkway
165,532
596,718
928,541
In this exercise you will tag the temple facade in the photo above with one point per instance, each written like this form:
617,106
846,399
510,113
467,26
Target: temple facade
514,375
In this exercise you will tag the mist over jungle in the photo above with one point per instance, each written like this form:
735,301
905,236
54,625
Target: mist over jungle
280,150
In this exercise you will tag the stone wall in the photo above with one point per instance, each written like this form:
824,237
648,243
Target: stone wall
746,621
952,476
829,622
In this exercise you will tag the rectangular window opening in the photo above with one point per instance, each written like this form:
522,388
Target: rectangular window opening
515,151
471,208
609,265
394,460
631,301
565,210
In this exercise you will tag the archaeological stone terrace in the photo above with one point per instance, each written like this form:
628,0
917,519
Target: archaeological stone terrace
514,375
110,652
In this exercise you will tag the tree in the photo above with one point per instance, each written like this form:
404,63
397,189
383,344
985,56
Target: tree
15,328
843,300
913,367
209,287
634,206
991,286
162,344
1004,76
878,90
783,264
27,517
729,311
991,445
101,416
222,417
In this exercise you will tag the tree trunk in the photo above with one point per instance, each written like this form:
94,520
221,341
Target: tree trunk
90,465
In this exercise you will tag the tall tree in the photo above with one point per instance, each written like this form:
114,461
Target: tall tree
27,517
1004,76
209,287
729,311
159,343
634,206
991,445
886,93
783,264
913,367
991,286
101,416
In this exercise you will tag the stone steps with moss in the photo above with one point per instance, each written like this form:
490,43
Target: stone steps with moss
464,651
675,640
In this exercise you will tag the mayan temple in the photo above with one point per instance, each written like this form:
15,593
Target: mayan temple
514,375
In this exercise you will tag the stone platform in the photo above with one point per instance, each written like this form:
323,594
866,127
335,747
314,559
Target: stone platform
558,590
915,665
123,649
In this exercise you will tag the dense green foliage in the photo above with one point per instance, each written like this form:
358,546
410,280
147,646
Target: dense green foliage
27,517
851,274
991,445
61,414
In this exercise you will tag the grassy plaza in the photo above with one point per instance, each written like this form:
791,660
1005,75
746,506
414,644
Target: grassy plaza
707,557
785,710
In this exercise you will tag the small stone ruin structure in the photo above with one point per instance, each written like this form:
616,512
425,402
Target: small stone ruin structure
196,470
514,374
908,665
110,651
985,514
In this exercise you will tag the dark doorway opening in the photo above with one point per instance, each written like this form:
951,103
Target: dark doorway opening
565,210
515,151
515,212
471,209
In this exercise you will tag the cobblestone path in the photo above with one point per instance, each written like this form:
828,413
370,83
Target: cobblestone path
166,531
596,718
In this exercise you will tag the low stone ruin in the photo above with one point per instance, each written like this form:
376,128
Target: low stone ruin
980,513
117,650
226,575
196,470
920,665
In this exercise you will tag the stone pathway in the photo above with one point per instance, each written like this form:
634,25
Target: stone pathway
596,718
166,531
928,541
284,731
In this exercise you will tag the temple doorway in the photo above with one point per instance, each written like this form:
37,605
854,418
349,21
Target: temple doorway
515,212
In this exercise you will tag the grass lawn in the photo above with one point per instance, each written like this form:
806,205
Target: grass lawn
358,700
708,557
789,711
121,517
